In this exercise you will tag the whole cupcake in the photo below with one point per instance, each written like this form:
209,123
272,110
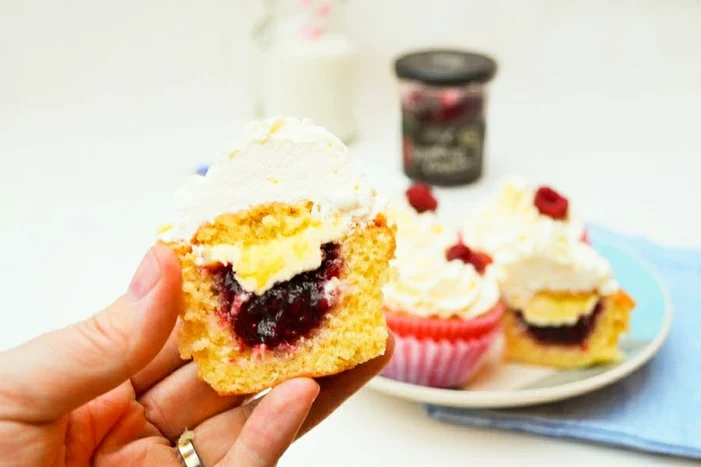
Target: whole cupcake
442,304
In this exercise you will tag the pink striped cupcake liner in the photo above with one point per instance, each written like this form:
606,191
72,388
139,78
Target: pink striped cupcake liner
448,329
441,364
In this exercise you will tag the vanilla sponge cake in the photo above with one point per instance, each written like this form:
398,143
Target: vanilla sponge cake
284,249
564,307
590,340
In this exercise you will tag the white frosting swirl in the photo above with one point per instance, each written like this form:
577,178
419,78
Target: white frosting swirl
563,265
278,159
426,283
533,252
511,220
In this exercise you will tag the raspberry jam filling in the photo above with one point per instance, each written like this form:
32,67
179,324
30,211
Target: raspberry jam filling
284,313
575,334
441,106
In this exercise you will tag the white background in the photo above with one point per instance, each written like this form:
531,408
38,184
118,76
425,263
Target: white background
105,106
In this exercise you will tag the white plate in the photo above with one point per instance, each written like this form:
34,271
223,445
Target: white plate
512,385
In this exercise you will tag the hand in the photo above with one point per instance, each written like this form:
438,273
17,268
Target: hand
112,390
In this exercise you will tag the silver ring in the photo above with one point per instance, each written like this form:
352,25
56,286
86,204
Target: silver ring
186,451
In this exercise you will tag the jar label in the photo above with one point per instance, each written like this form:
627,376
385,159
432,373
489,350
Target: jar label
444,154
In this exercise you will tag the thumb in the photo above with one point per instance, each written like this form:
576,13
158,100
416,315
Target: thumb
57,372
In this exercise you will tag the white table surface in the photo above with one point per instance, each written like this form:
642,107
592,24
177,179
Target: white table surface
87,176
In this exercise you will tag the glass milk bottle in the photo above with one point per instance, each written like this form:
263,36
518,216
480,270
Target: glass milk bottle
306,66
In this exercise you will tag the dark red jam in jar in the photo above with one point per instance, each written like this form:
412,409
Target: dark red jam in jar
443,97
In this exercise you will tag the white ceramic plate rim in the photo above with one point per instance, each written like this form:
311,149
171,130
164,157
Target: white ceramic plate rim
524,397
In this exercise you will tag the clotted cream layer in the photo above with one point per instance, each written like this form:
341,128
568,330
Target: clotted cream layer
539,261
284,160
426,284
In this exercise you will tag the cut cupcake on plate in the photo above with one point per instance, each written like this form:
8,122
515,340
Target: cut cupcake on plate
441,306
564,308
284,249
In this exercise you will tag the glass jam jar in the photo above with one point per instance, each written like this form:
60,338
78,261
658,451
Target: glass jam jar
443,98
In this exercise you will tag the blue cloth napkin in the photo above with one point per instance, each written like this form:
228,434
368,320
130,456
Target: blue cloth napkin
656,409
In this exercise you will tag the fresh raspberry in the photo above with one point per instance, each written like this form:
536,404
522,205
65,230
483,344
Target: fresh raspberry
551,203
480,261
420,197
462,252
458,251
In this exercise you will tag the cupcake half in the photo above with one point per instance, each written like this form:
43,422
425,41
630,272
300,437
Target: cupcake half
442,307
563,305
284,250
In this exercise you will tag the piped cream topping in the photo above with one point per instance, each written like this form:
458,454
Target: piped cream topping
511,221
426,283
534,253
279,159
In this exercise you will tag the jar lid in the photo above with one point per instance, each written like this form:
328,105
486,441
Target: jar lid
445,67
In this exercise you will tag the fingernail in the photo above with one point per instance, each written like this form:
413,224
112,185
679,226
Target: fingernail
147,276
